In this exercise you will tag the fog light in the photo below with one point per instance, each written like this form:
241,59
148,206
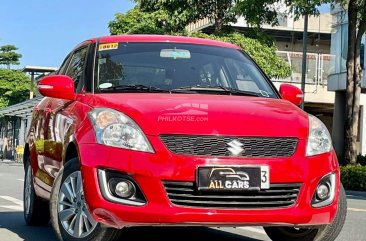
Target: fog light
325,191
322,191
125,189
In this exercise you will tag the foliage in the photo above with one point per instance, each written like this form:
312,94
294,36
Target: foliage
361,160
264,55
354,177
136,21
301,7
259,12
8,56
188,11
14,87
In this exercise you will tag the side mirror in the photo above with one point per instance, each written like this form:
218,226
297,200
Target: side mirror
57,86
291,93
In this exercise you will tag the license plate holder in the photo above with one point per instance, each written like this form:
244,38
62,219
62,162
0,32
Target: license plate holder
233,178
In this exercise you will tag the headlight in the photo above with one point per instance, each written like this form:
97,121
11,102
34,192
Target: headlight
319,140
112,128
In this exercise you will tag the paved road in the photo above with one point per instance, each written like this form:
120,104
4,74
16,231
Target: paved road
13,228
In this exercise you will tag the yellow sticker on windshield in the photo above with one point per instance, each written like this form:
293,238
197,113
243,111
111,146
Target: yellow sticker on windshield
108,46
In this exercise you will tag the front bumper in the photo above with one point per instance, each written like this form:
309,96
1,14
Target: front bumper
149,170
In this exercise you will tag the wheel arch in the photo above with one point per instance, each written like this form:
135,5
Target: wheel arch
72,151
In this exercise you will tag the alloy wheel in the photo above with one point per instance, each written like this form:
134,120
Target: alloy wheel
73,211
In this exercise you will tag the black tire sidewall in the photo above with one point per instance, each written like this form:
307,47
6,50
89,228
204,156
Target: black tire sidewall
38,214
28,216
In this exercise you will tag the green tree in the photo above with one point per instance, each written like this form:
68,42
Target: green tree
8,56
136,21
184,12
14,87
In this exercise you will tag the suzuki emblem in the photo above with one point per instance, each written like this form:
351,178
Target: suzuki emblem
235,147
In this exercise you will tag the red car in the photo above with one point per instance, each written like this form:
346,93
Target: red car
163,130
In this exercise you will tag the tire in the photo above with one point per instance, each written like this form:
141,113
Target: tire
327,232
36,211
69,208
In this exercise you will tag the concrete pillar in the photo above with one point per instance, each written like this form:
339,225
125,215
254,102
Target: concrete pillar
21,136
362,131
27,125
339,122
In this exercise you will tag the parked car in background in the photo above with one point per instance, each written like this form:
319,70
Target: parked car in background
163,130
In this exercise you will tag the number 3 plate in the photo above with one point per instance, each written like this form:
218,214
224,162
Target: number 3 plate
264,177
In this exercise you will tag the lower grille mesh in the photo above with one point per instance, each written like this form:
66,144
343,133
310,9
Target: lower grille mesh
186,194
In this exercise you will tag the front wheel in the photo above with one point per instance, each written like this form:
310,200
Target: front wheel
327,232
70,216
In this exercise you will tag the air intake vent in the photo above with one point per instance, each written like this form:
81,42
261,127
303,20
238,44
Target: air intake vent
186,194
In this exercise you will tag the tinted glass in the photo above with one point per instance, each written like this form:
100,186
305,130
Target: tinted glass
172,65
76,66
64,65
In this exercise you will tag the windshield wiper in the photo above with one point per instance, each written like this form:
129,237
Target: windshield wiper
133,88
216,88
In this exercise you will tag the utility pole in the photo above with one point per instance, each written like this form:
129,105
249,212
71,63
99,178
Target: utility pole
304,52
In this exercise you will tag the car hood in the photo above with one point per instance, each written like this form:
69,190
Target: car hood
203,114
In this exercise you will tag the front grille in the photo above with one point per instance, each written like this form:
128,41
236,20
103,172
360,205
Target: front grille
218,145
186,194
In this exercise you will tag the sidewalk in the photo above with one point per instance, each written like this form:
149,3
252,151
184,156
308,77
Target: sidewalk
11,162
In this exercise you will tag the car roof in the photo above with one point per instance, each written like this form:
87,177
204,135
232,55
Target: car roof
146,38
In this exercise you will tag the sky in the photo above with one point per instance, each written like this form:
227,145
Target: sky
45,31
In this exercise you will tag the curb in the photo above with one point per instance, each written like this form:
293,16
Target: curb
356,193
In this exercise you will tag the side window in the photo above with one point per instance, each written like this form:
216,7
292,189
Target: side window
77,66
64,65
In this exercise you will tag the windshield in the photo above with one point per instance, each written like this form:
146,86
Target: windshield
167,67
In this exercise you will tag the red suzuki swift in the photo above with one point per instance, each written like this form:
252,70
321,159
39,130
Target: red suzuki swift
161,130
